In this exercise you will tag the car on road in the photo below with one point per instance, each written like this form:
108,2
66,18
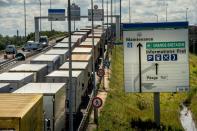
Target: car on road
32,46
44,41
10,49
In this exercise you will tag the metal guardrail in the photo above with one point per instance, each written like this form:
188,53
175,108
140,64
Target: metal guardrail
84,122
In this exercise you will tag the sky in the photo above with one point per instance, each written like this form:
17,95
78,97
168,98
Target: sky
12,12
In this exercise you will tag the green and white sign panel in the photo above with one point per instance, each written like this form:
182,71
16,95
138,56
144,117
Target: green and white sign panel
164,60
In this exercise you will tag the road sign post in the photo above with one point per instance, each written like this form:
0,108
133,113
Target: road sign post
157,108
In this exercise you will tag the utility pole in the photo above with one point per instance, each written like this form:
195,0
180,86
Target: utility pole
25,18
70,71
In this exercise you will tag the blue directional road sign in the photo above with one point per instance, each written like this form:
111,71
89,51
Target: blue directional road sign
56,14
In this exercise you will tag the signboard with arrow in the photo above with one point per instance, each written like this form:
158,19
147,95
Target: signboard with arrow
156,57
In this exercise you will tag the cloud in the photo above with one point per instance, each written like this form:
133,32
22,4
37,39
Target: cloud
12,12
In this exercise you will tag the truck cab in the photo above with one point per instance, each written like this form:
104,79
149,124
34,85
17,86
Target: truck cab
44,41
10,49
32,46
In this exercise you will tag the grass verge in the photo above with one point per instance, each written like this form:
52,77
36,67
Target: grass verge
133,111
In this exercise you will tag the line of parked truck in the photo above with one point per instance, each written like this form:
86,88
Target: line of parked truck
36,99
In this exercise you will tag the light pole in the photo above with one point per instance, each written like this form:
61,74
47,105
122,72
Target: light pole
51,21
157,17
166,11
186,13
111,12
25,17
120,10
93,66
40,16
70,71
129,11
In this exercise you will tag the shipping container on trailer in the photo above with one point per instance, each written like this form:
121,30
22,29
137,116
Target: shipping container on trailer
53,103
63,53
74,39
82,58
86,28
16,79
88,44
96,35
87,31
39,70
4,87
83,34
21,112
90,26
77,85
83,66
63,45
52,61
97,40
81,50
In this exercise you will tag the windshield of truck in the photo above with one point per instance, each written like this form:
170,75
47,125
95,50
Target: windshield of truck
43,40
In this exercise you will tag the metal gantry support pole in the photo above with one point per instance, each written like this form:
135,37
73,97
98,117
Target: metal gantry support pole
36,21
93,67
25,16
70,72
157,108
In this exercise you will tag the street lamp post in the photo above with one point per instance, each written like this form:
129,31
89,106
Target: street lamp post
129,11
166,11
111,12
25,17
157,17
51,21
186,15
71,95
40,16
